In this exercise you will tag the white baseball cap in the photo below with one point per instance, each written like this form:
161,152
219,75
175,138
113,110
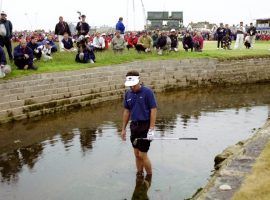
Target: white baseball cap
132,80
173,30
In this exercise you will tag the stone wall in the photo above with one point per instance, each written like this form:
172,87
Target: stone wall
45,93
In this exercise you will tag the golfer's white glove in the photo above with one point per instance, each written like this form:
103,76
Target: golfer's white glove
150,134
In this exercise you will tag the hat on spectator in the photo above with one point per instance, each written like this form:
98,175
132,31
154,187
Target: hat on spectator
103,34
173,30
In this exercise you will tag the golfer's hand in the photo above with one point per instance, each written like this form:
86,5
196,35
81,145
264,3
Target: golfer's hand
123,134
151,134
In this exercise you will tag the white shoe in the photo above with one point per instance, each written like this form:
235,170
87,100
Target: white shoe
91,61
175,49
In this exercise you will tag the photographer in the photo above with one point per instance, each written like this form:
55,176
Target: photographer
85,53
82,26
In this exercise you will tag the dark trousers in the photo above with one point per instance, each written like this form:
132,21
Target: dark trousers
219,42
21,62
140,47
5,41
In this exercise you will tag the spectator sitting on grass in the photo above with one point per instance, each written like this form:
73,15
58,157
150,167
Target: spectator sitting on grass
23,56
163,43
67,43
187,41
51,43
226,42
46,51
118,43
132,40
247,42
98,42
174,40
85,52
198,42
4,68
144,43
155,37
34,46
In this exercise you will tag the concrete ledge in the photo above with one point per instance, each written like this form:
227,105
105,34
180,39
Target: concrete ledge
232,171
60,90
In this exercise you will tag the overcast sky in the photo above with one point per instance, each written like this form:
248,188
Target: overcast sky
35,14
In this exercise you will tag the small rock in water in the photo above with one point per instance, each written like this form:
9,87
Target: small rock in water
17,141
225,187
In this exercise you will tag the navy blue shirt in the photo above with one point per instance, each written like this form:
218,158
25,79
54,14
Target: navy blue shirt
140,103
67,44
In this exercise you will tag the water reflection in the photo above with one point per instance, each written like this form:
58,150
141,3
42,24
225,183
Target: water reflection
141,187
11,163
90,139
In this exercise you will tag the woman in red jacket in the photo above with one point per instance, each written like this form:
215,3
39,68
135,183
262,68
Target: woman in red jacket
198,42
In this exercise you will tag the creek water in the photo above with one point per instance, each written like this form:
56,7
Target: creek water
80,155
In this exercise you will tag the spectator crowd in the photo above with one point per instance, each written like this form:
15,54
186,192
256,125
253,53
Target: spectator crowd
40,44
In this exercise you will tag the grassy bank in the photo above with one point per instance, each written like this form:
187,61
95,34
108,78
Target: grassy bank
66,61
257,184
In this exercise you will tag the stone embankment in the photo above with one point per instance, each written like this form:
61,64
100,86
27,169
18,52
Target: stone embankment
40,94
232,165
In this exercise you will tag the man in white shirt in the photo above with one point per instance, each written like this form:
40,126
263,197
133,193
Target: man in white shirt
98,42
239,36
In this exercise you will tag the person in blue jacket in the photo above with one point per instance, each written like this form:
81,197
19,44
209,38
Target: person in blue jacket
23,56
120,26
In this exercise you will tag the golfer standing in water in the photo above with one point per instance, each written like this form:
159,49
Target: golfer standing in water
140,106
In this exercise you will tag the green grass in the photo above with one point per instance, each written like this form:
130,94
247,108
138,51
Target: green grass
66,61
257,184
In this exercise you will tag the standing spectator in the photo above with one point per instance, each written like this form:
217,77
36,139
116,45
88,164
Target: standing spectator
120,26
23,56
174,40
198,42
6,34
187,41
118,43
4,68
98,42
220,34
240,30
144,43
252,33
34,46
82,26
60,28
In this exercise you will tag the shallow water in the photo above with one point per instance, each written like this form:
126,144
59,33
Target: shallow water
81,155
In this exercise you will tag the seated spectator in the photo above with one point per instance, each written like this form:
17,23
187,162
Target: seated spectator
118,43
247,42
23,56
46,51
34,46
51,43
98,43
85,52
174,40
4,68
67,43
106,39
155,36
226,42
144,43
132,40
187,41
198,42
163,43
